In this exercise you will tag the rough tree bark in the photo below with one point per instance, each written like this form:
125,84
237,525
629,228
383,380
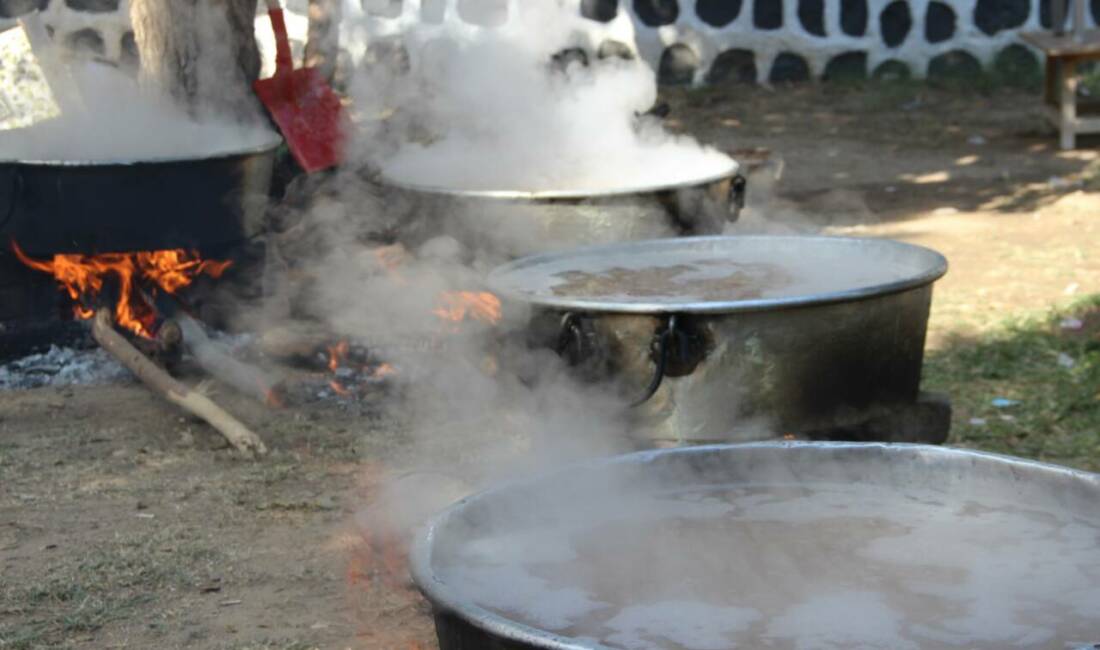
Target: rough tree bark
322,46
201,52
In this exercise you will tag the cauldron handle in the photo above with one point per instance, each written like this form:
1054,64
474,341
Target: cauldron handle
660,361
737,196
16,190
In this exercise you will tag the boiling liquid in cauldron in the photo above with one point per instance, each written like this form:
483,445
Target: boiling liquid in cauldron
681,273
708,280
799,567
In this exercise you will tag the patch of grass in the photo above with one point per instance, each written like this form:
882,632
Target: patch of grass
105,584
1051,372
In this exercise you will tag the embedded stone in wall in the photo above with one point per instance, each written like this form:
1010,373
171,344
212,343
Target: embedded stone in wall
939,22
657,12
1017,66
487,13
853,17
612,48
128,50
570,56
892,70
895,22
678,65
789,67
846,67
1045,18
767,14
1094,8
811,13
16,8
93,6
718,13
86,41
386,8
603,11
956,64
738,66
991,16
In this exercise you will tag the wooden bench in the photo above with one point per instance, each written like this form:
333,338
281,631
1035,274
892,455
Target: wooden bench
1063,54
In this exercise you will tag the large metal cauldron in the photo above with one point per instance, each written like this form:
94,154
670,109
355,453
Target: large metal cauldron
522,223
206,203
811,356
960,488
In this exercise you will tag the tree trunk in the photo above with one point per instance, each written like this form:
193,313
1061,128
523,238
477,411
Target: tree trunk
322,46
201,52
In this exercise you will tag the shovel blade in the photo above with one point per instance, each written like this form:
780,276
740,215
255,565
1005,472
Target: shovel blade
309,115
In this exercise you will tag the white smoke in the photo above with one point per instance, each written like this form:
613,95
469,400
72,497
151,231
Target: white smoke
121,120
492,111
103,112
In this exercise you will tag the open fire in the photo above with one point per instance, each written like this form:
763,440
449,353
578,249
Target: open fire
351,369
139,275
457,306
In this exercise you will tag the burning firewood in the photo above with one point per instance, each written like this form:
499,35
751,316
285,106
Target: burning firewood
243,439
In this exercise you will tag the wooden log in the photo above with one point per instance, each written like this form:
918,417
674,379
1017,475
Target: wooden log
296,342
216,360
166,348
243,439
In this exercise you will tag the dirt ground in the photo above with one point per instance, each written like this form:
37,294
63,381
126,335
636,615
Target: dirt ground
125,525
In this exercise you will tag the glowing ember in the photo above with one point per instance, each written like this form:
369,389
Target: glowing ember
458,305
83,277
345,363
336,355
383,371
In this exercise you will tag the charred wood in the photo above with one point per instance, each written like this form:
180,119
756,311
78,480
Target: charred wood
243,439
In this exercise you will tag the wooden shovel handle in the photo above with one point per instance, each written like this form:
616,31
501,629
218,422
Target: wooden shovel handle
284,61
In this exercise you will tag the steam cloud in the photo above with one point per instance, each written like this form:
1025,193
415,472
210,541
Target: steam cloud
495,111
487,112
109,113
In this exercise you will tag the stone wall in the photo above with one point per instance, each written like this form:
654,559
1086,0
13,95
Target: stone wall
95,28
101,28
698,41
688,41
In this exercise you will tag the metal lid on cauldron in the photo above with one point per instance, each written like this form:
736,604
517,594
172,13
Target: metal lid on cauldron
565,194
717,274
262,143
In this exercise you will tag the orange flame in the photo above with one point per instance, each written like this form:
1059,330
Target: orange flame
458,305
337,358
336,355
383,371
83,276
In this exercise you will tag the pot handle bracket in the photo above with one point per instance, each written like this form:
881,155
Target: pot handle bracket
738,186
678,346
659,353
581,346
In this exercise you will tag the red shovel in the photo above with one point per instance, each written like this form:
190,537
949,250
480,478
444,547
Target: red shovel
305,108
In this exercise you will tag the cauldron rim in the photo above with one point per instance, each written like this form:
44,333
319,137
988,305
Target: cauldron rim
560,195
935,267
270,143
445,599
